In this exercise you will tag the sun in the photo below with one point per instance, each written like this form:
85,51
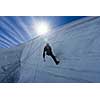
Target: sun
42,28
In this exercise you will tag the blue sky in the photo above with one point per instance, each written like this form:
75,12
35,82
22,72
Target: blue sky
17,29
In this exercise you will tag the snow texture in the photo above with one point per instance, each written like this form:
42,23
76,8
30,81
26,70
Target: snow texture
76,45
10,64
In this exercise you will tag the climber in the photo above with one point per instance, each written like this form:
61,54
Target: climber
48,51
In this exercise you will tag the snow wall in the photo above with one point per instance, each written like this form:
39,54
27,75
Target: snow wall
76,45
10,64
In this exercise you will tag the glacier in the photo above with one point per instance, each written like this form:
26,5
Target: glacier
76,45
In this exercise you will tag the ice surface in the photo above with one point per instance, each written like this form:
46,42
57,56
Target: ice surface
10,64
76,45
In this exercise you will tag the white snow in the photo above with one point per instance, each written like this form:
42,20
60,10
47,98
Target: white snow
10,64
76,45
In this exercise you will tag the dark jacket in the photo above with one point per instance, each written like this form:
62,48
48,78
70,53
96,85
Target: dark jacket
48,50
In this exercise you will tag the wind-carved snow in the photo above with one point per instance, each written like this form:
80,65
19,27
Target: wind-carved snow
10,64
76,45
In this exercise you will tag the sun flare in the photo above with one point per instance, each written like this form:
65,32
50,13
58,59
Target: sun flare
42,28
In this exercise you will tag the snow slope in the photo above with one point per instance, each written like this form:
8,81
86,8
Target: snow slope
10,64
77,45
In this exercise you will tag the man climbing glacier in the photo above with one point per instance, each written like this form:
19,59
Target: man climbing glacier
48,51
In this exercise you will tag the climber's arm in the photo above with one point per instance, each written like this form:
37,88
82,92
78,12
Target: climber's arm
44,54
